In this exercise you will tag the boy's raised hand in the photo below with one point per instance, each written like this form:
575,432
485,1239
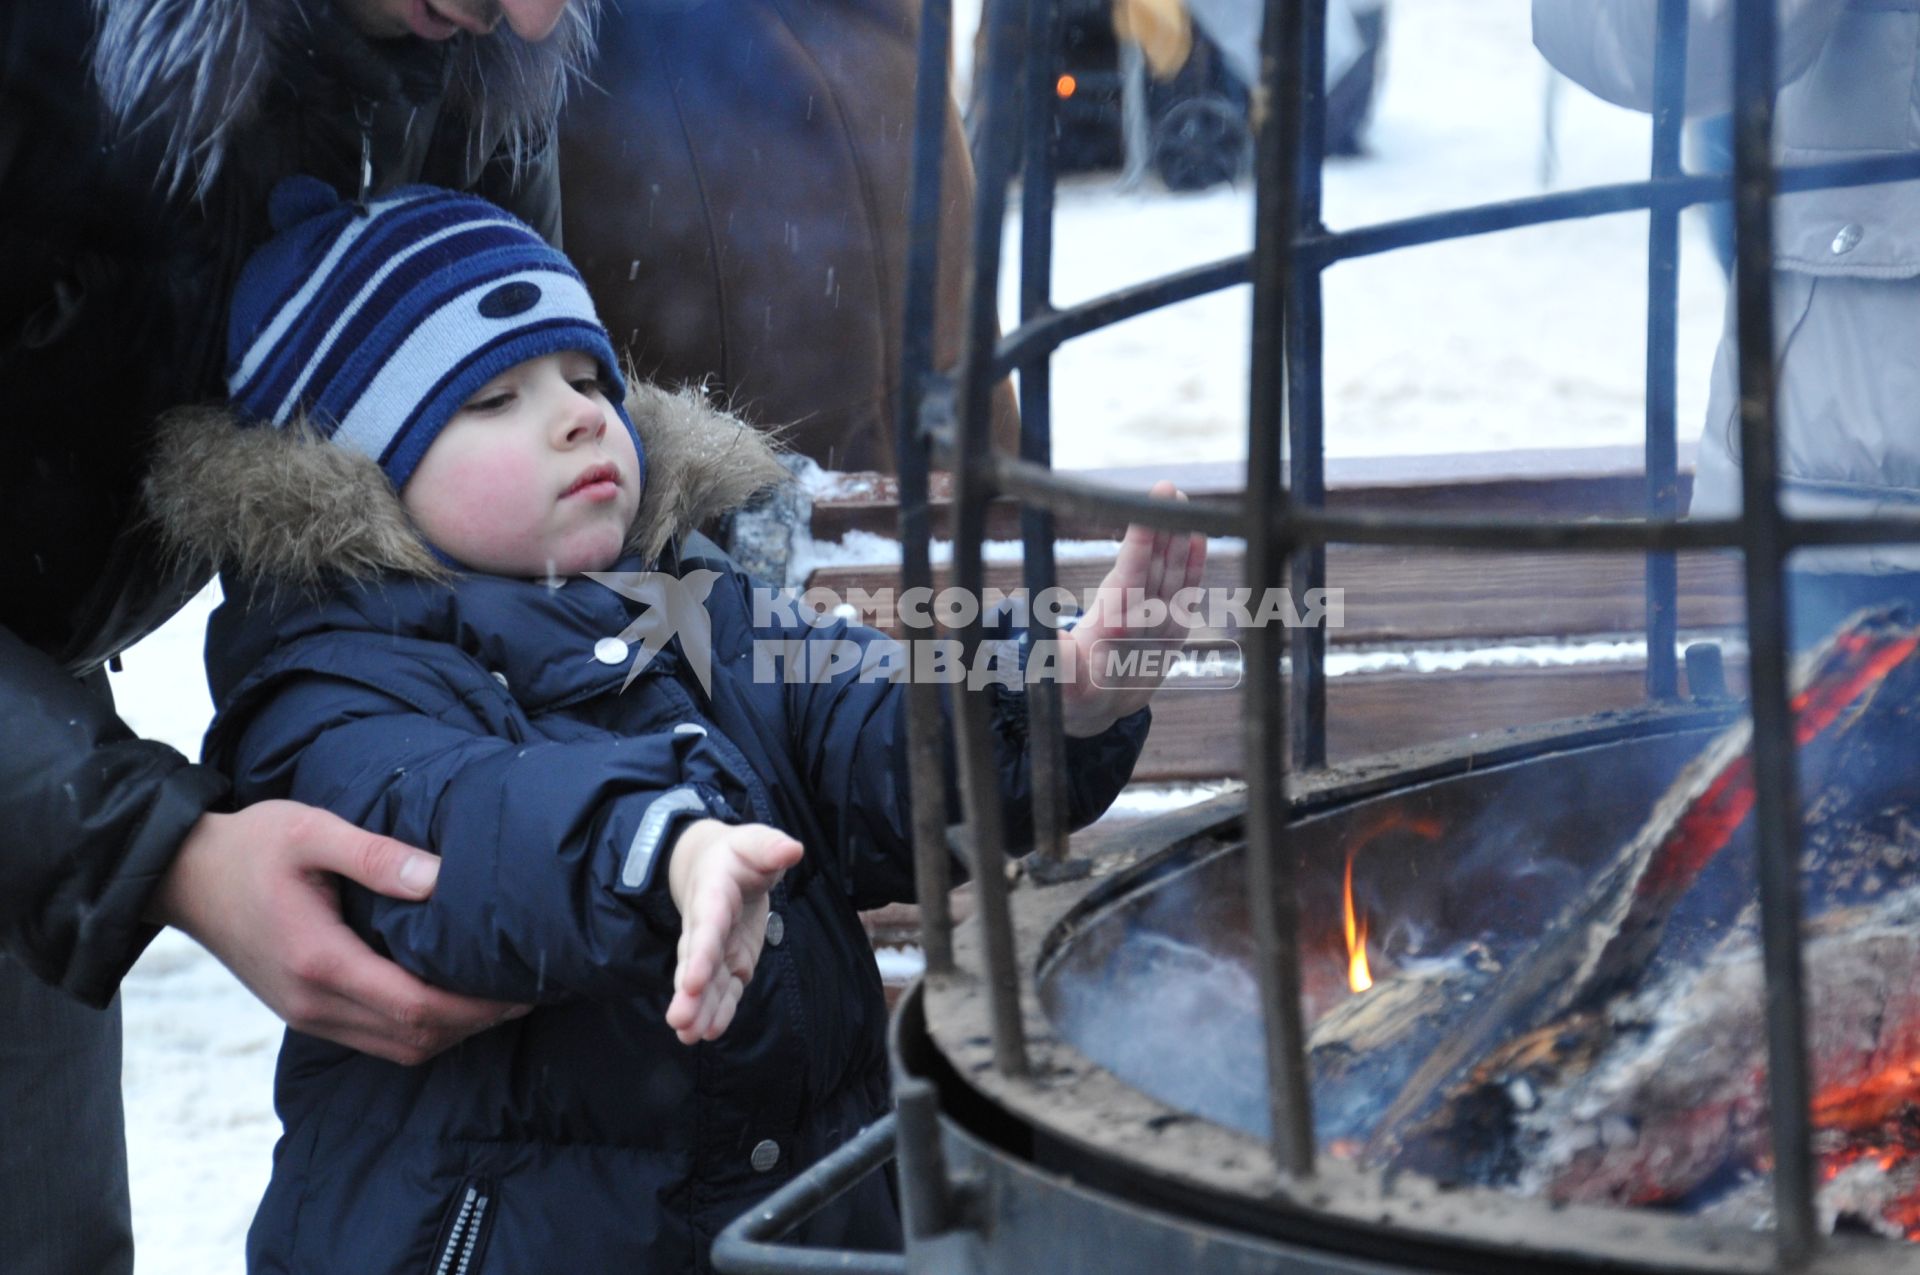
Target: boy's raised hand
719,876
1152,567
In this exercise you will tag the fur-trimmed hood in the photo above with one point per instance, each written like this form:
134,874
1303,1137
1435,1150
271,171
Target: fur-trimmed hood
194,72
287,508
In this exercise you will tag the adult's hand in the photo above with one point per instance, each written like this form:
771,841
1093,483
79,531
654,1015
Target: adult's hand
257,890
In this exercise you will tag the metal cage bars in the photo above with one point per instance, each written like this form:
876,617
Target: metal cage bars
1287,523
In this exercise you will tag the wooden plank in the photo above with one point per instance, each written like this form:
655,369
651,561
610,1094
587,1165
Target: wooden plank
1565,482
1432,595
1197,727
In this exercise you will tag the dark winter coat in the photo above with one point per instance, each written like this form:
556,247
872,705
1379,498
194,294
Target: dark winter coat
474,715
138,140
758,244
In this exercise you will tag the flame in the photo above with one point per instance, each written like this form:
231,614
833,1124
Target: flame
1359,973
1065,86
1877,1119
1359,977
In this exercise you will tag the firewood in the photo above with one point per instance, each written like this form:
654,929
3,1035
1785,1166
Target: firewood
1680,1097
1597,954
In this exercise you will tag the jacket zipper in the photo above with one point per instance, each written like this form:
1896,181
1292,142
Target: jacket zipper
363,116
460,1249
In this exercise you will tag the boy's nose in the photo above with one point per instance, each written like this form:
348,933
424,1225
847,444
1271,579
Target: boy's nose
532,20
582,422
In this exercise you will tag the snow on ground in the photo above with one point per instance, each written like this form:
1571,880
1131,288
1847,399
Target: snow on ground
1521,339
1532,338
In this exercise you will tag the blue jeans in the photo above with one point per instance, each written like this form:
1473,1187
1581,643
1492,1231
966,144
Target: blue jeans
63,1151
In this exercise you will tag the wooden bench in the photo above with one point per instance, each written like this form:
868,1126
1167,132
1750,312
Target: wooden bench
1400,604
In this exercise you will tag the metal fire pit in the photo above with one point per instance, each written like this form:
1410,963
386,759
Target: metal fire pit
1072,1168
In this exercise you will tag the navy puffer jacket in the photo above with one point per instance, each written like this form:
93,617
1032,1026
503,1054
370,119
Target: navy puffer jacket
473,717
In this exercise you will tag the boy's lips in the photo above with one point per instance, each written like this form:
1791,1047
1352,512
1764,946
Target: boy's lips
430,23
599,482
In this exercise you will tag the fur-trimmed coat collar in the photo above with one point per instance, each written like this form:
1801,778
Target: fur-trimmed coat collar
194,72
286,508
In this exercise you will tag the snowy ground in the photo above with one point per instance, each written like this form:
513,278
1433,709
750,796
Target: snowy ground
1526,339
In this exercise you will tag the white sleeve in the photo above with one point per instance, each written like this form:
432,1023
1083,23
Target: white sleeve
1606,46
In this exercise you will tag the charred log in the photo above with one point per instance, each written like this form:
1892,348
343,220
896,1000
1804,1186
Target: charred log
1857,690
1578,1023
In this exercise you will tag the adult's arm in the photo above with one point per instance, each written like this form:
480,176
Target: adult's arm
551,882
90,820
1606,46
259,888
105,837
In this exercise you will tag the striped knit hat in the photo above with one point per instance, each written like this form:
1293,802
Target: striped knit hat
378,324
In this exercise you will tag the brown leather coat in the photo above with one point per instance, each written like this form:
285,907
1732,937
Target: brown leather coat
735,194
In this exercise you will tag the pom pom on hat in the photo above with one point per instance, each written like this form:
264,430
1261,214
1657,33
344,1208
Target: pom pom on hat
378,325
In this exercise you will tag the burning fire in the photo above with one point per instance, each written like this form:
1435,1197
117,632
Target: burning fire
1359,973
1359,977
1877,1121
1862,660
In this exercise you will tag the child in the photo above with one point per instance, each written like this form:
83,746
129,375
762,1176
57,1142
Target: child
440,441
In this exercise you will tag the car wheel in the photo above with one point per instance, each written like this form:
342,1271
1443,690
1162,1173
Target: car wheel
1200,142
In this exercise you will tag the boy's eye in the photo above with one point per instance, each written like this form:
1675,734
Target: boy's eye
591,385
488,402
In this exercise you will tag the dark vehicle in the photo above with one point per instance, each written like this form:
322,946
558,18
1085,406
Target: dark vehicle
1197,132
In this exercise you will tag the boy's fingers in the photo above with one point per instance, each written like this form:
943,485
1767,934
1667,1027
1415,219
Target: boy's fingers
729,1006
1183,574
1150,573
773,855
1196,560
1130,564
696,971
1157,565
721,1012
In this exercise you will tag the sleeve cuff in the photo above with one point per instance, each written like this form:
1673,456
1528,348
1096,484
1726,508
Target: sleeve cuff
662,822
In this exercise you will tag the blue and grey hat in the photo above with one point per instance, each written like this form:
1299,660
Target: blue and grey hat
377,324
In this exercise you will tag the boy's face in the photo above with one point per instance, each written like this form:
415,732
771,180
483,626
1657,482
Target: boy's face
535,476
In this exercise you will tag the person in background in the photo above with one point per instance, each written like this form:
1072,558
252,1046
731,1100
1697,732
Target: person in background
758,248
1846,269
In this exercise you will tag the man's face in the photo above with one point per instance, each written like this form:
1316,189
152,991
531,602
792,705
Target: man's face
531,20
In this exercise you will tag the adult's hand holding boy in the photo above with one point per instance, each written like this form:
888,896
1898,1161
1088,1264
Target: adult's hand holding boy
719,876
1152,567
256,888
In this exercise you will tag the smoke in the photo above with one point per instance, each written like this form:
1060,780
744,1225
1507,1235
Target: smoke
1177,1021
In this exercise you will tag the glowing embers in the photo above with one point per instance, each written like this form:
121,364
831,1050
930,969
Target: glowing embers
1868,1147
1623,1060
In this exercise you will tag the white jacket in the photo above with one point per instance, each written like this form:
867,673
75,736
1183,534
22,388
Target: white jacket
1847,303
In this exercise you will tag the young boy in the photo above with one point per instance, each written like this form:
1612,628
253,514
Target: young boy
658,846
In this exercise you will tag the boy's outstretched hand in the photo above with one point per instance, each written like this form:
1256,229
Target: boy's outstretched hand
1131,603
719,877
